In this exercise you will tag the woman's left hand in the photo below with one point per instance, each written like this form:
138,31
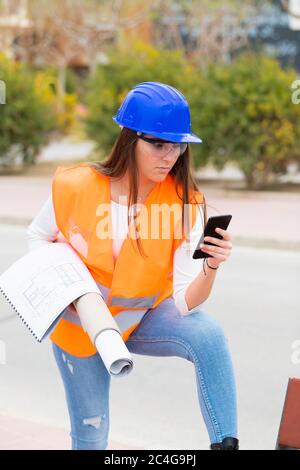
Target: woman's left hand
219,253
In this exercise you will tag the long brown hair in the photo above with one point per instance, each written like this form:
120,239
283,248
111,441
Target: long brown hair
122,158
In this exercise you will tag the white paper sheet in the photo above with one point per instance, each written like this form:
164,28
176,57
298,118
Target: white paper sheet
42,283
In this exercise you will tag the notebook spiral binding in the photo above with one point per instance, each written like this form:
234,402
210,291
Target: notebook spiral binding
20,316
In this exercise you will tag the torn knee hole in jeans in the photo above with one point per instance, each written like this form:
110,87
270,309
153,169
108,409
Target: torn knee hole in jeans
69,364
94,421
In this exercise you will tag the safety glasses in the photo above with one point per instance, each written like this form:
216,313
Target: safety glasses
163,147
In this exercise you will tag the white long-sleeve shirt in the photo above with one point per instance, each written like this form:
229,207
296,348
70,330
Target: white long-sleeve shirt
43,229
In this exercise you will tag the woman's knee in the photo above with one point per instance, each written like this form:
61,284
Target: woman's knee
206,330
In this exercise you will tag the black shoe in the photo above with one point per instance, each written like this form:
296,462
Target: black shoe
228,443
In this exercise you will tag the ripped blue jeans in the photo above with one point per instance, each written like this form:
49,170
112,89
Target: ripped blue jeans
163,331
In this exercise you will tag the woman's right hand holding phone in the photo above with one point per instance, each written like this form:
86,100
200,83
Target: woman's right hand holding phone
222,251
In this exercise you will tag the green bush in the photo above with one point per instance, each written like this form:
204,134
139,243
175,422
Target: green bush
63,108
26,118
245,115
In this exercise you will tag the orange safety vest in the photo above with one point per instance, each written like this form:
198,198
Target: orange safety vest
133,283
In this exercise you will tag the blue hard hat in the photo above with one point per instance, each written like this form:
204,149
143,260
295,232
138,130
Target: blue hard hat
157,109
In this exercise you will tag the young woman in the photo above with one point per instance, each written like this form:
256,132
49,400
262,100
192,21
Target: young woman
153,287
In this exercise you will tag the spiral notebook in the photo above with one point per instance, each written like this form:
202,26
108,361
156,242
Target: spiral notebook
42,283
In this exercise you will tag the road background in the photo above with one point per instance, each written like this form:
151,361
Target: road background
255,297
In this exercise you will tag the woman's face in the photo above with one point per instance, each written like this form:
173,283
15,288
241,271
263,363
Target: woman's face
155,161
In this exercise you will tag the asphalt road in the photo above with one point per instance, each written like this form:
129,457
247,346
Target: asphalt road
256,298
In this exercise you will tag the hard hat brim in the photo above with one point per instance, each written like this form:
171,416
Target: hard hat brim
171,137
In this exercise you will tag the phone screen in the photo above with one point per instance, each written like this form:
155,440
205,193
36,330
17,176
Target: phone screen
221,221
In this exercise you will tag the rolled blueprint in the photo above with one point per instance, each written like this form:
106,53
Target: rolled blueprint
114,353
104,333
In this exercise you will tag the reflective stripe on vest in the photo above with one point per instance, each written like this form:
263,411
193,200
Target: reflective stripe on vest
125,319
136,302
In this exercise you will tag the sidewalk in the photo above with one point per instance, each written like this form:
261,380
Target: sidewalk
259,219
19,434
263,219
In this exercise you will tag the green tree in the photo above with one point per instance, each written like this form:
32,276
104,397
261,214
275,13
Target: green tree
245,114
26,118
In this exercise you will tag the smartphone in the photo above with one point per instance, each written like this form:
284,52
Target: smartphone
221,221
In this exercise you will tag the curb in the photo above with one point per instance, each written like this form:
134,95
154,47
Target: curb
266,243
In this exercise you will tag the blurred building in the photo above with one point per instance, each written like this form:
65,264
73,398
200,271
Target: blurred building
266,26
13,18
272,32
83,48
